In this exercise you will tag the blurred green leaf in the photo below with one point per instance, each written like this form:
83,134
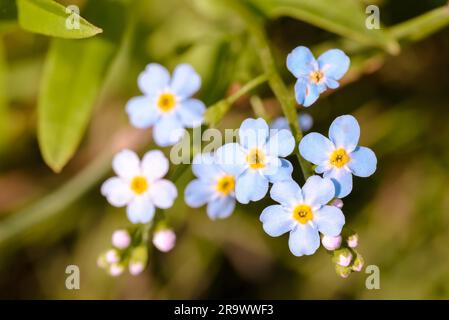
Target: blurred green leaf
346,19
52,19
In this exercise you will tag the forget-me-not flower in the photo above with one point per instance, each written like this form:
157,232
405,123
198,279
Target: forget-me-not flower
303,212
213,186
316,75
305,122
167,104
339,157
257,159
139,184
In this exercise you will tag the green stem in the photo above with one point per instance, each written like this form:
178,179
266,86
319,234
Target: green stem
286,98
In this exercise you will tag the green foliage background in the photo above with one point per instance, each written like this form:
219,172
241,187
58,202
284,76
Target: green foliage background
62,97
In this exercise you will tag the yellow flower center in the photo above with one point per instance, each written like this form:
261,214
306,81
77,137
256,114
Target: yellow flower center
256,158
302,213
139,184
339,158
225,185
316,76
166,102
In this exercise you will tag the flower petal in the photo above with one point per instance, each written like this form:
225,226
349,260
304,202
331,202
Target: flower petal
154,165
250,186
186,82
191,112
342,180
231,158
126,164
140,210
163,193
168,131
281,143
205,166
304,240
153,79
318,191
116,191
334,63
141,112
330,220
301,61
253,133
276,220
363,162
220,208
284,172
306,94
280,123
287,193
197,193
305,121
345,132
316,148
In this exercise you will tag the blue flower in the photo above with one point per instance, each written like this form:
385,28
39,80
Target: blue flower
257,159
303,212
305,121
167,104
339,157
213,186
315,76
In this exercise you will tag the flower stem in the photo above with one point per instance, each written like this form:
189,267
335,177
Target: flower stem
286,99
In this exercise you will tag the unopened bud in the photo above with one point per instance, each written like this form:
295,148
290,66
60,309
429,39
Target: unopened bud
136,268
101,261
164,240
343,257
138,260
112,256
342,271
116,269
121,239
337,203
331,243
353,240
358,263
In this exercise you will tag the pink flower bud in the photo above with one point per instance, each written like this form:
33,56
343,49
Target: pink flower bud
344,260
164,240
136,268
331,243
353,241
115,270
112,256
337,203
121,239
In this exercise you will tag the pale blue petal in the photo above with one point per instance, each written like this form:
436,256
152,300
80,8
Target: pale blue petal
231,158
363,162
305,121
342,180
280,123
117,191
306,94
276,220
283,173
162,193
191,112
198,193
318,191
221,207
272,167
316,148
186,82
253,133
168,131
304,240
331,83
330,220
281,143
301,62
142,112
153,79
140,210
345,132
334,63
287,193
250,186
204,166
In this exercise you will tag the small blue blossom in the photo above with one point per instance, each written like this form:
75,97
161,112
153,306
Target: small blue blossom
257,159
213,186
167,104
339,157
305,121
315,76
303,212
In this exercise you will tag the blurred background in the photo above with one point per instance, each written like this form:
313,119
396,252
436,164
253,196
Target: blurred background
397,88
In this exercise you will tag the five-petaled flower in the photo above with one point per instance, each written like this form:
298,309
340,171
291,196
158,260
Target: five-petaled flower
213,186
303,212
315,75
139,185
167,104
257,159
339,157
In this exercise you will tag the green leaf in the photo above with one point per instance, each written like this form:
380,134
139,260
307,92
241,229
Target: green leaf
4,115
53,19
344,17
